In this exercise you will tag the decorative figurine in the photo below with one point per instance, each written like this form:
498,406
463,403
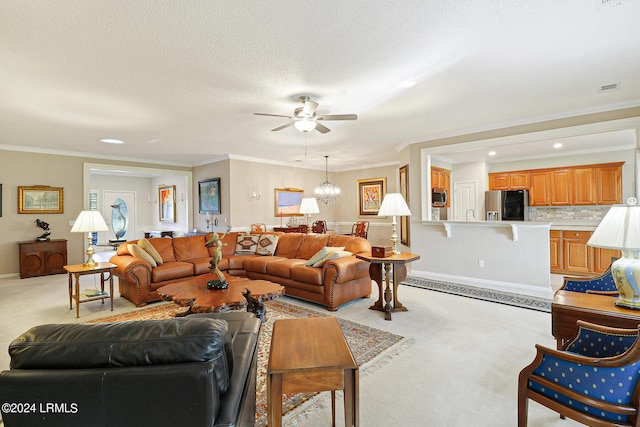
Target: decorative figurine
255,305
45,227
216,243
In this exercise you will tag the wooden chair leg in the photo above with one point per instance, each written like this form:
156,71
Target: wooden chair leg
333,408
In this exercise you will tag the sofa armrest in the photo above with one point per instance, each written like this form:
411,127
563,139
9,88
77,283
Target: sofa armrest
134,270
343,270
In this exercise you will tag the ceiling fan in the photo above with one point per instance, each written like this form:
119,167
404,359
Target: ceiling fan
305,119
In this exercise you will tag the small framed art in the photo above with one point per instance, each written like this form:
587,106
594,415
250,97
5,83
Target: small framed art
371,192
404,190
209,195
40,199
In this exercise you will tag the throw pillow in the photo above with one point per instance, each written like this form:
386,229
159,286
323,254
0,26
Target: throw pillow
138,252
267,244
323,253
333,255
247,244
148,247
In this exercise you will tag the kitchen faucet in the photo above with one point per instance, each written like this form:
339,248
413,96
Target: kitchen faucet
466,215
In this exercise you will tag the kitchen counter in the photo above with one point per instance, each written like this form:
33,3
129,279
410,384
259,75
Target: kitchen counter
515,226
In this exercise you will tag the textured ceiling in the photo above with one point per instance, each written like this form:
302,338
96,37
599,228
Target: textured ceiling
179,81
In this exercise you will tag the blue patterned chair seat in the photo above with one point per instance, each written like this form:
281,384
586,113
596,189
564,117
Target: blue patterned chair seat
601,284
593,380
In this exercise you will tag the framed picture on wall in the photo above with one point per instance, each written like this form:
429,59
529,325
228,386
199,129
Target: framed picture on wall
287,201
370,195
167,202
404,190
0,200
209,195
40,199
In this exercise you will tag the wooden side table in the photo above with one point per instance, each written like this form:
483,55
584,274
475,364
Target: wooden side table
399,274
311,355
569,307
78,270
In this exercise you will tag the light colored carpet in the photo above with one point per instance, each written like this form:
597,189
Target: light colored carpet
462,369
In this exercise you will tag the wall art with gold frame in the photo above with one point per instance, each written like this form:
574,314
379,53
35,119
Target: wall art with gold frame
404,190
40,199
287,201
371,192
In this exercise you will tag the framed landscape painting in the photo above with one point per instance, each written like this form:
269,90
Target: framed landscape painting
209,195
370,195
40,199
287,201
167,202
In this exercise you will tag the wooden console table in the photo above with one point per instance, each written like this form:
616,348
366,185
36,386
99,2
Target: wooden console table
297,229
569,307
399,274
311,355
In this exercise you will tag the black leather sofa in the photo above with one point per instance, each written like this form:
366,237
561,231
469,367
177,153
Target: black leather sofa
199,370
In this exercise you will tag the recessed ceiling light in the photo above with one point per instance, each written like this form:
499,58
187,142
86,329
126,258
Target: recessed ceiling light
557,145
111,141
492,153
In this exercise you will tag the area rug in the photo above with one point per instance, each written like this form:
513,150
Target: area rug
491,295
372,348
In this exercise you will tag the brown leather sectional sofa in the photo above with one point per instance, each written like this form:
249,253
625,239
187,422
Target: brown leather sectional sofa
337,282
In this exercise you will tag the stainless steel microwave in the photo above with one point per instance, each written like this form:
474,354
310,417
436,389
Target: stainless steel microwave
438,197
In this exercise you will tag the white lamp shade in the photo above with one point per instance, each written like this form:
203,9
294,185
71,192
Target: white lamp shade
305,125
394,205
619,229
89,221
309,206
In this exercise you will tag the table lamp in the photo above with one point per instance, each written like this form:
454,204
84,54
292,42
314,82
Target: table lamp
309,206
89,222
394,205
620,229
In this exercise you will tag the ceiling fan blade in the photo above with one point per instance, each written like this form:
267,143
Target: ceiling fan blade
282,127
337,117
322,128
309,108
272,115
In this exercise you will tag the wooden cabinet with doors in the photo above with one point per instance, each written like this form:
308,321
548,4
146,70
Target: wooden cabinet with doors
570,254
599,184
509,180
41,258
441,179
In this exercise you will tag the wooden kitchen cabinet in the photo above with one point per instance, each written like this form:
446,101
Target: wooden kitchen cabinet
584,186
609,184
441,179
577,256
561,191
604,257
539,192
42,258
509,181
555,249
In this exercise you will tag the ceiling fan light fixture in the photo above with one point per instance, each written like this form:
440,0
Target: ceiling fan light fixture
305,125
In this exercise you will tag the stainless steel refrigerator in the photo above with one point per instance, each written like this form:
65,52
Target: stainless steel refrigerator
506,205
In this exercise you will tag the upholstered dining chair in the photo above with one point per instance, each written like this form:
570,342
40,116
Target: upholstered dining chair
360,229
602,284
319,227
258,228
593,379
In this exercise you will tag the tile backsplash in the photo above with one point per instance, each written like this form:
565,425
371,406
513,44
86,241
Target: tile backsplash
569,213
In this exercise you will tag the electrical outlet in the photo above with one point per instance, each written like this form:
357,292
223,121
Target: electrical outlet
480,263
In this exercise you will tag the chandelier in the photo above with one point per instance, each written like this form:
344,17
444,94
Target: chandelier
326,192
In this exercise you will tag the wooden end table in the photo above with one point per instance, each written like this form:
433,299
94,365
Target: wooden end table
399,274
311,355
78,270
569,307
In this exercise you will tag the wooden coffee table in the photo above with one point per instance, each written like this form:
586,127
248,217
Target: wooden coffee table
311,355
193,293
